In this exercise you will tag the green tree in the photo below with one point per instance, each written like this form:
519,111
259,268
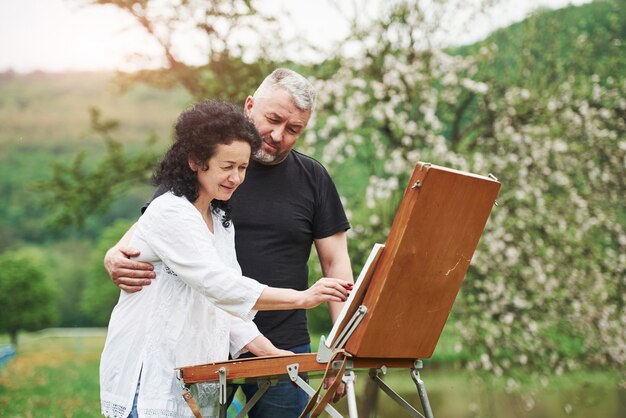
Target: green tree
26,298
99,294
69,274
87,192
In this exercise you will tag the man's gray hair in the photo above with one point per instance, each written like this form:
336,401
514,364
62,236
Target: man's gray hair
301,90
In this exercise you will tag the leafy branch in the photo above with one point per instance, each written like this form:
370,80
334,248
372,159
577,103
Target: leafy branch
76,191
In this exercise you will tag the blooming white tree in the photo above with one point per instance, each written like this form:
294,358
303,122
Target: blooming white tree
547,286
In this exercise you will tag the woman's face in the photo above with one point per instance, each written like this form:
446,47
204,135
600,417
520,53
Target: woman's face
226,171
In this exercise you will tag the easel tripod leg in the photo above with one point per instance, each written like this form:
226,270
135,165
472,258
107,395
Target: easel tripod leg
421,390
374,375
263,387
350,394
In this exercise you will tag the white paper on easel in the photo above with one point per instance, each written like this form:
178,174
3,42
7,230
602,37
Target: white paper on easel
366,272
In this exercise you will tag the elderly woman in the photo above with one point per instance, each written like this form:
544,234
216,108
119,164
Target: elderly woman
200,306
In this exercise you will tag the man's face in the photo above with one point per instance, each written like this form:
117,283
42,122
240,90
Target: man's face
279,122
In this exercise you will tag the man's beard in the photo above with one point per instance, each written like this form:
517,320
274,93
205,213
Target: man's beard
264,157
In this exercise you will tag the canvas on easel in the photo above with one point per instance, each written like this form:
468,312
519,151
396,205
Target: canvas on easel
356,296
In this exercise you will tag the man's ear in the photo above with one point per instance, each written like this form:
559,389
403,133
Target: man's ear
192,164
249,104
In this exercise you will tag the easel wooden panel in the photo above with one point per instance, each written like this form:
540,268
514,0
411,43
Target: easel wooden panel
430,246
240,371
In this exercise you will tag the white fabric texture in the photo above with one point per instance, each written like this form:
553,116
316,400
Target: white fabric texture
197,308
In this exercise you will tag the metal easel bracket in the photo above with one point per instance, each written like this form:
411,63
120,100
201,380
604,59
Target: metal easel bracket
324,353
263,384
350,327
376,376
223,391
223,394
292,370
421,388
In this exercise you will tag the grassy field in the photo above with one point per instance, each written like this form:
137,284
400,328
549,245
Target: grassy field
55,376
52,377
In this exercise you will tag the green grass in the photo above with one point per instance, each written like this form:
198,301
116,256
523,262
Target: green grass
52,377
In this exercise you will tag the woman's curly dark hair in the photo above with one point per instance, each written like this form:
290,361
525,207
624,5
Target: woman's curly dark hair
199,130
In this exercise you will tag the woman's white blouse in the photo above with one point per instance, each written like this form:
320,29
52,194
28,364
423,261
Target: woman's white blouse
197,308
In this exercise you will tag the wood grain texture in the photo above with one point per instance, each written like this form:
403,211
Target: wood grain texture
238,371
427,254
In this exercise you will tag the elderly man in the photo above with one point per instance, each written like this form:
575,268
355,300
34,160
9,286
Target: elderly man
287,203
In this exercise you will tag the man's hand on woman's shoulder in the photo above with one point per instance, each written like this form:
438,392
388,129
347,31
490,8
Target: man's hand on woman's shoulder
129,275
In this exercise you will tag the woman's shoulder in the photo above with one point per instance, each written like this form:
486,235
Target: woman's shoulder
169,199
168,204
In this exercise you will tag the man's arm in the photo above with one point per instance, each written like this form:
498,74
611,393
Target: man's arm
127,274
335,262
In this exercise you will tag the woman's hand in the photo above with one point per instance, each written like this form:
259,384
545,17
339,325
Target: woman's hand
326,289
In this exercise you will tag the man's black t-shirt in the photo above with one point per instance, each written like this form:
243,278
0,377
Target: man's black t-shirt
278,211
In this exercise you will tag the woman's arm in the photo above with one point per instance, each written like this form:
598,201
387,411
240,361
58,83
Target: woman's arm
174,230
324,290
245,337
261,346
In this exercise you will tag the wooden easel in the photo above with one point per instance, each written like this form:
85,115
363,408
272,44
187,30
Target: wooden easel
401,302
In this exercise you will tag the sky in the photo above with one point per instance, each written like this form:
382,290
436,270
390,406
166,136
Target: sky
67,35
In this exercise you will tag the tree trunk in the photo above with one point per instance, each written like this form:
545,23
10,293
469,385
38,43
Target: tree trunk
13,335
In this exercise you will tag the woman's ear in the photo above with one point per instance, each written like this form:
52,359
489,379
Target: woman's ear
192,164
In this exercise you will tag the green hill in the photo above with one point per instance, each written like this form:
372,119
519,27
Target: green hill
551,46
51,110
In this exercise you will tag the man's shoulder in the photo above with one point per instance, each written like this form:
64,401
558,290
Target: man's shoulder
307,161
